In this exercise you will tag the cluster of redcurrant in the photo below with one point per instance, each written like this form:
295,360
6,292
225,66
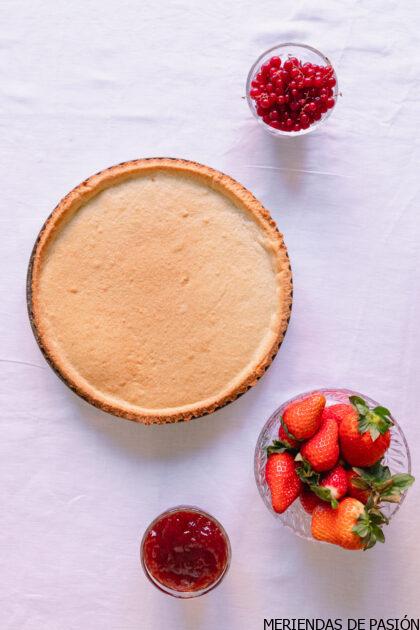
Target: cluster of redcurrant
292,96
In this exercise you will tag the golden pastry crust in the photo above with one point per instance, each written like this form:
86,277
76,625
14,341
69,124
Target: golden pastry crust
87,191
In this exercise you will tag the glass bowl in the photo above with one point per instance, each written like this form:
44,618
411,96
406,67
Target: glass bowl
181,593
295,518
305,54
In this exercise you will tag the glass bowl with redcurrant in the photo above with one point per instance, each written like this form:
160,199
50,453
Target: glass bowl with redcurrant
291,89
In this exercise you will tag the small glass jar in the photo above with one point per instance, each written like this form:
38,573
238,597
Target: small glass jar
305,54
185,552
397,457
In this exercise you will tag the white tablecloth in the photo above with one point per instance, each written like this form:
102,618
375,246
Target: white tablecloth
87,84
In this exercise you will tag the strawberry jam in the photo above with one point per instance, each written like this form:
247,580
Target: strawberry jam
185,550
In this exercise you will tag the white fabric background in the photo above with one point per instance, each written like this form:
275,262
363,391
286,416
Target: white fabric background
89,83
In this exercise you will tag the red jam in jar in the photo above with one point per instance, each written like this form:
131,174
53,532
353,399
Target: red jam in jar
185,550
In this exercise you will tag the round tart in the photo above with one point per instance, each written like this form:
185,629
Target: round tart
159,290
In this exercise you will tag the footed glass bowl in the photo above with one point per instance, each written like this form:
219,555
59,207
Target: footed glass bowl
295,518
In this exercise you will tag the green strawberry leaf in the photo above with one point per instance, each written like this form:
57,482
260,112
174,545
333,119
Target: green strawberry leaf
286,430
402,481
378,533
359,404
368,527
305,472
378,517
324,494
396,487
358,482
278,446
374,432
375,474
361,530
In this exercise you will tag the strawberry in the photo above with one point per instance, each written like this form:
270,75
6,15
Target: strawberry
309,500
302,418
354,491
338,412
337,526
322,451
333,486
364,434
283,481
286,438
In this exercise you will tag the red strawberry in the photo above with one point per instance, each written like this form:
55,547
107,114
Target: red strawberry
338,412
281,477
333,486
309,500
337,526
286,439
356,493
322,451
302,418
364,434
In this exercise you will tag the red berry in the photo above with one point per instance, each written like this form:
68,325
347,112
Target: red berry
309,500
322,450
275,62
336,482
283,481
308,70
